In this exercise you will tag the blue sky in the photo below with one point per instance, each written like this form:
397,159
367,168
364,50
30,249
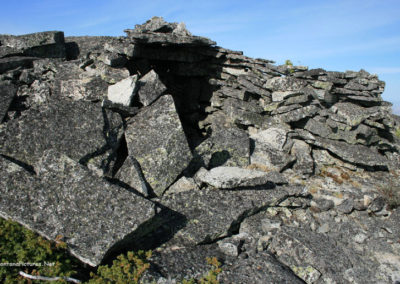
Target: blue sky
336,35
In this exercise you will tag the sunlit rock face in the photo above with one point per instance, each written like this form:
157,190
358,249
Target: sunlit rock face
163,140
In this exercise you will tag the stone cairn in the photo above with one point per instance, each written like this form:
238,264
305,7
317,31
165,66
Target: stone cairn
162,140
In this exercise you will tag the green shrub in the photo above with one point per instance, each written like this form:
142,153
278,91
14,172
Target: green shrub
288,62
125,269
212,274
397,132
19,245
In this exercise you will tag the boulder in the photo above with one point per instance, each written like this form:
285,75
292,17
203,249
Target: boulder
228,146
123,91
7,94
44,44
10,63
156,139
271,149
67,200
157,31
150,88
234,177
355,154
82,130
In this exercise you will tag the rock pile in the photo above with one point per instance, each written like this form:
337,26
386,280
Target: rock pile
163,140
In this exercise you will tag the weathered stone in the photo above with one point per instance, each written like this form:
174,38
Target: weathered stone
260,268
299,248
65,200
181,185
228,146
7,94
157,31
82,130
352,113
90,88
10,63
156,139
150,88
356,154
244,113
322,85
43,44
298,114
278,96
213,214
123,91
317,128
304,161
270,149
113,59
285,84
234,177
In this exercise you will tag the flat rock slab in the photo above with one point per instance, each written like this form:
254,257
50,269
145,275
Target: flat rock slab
354,154
44,44
235,177
82,130
316,258
212,214
7,94
10,63
156,139
92,215
258,269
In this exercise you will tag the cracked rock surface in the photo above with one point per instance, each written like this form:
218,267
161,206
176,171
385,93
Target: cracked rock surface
162,140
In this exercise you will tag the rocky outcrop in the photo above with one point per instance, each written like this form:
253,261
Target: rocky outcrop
163,140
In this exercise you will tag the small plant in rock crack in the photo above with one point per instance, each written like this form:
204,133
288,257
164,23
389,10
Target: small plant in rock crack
212,274
288,62
397,132
391,193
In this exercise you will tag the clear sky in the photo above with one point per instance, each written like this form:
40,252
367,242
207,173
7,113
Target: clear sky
336,35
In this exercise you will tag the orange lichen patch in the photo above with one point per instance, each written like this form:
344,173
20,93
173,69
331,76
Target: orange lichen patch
338,195
259,167
345,176
313,190
336,178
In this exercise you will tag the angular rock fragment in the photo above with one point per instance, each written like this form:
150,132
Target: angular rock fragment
355,154
67,200
43,44
234,177
82,130
157,31
304,161
10,63
7,94
156,139
123,91
181,185
271,149
150,88
113,59
228,146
